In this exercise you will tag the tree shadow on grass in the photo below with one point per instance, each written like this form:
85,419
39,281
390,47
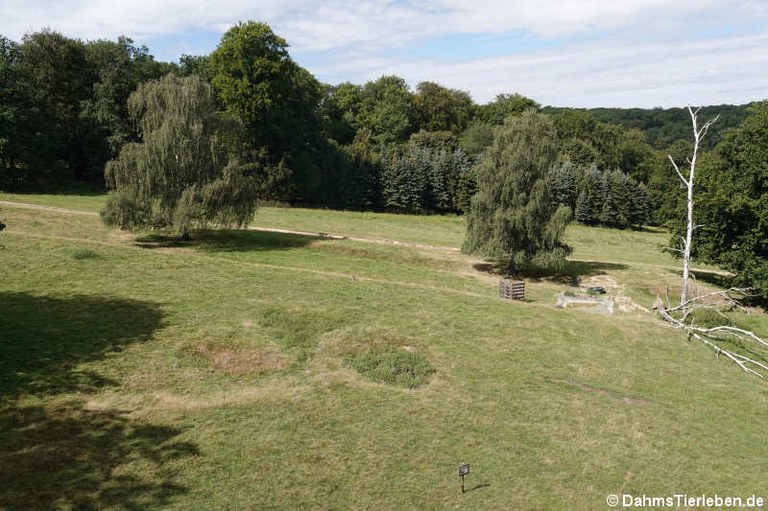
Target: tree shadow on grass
229,240
66,457
713,277
45,338
570,275
574,271
55,454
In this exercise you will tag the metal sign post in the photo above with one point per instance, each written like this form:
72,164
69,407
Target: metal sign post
463,471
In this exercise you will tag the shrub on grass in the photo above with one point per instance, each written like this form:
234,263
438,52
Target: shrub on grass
393,367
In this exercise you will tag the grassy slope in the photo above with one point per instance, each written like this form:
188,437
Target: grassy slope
211,376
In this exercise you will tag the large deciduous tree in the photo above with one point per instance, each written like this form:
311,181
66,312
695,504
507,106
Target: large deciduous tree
185,172
732,207
386,109
278,102
441,109
119,67
513,219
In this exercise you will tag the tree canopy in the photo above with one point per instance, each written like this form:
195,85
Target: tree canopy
512,218
185,172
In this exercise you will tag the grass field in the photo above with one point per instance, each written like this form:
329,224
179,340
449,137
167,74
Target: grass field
264,370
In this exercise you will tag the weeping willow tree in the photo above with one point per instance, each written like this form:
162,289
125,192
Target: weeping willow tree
184,174
513,219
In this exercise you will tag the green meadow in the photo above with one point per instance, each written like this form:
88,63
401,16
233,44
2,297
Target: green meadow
252,369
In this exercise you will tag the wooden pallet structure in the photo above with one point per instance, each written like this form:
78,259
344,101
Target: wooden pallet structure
511,289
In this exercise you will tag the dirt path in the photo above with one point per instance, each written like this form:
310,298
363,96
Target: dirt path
54,209
321,235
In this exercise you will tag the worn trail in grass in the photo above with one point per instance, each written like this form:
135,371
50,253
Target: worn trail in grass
140,372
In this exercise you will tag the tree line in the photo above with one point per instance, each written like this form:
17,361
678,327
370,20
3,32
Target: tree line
380,145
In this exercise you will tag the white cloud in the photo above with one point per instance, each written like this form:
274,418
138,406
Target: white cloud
339,23
634,75
641,52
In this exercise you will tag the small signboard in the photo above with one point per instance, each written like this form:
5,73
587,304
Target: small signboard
463,470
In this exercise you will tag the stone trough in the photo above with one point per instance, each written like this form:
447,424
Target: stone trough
598,305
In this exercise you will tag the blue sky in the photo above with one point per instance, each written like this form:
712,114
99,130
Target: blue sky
578,53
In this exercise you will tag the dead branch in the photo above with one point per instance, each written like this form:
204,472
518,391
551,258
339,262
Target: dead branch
713,337
714,300
677,169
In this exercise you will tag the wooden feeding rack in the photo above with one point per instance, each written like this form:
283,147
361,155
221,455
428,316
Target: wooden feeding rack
511,289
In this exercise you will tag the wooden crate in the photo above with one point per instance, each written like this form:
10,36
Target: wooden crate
511,289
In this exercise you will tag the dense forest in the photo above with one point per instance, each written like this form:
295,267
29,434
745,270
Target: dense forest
662,127
381,145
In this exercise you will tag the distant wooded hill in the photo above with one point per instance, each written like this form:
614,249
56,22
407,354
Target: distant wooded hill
663,127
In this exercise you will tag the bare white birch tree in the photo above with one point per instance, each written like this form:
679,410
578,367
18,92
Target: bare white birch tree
746,349
698,136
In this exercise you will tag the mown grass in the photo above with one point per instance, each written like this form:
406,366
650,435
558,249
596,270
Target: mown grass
118,388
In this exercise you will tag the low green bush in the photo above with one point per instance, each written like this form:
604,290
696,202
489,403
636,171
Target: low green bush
394,367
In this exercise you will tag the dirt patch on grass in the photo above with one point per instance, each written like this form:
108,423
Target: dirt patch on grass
615,290
243,360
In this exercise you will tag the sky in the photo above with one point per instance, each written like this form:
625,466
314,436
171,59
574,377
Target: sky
571,53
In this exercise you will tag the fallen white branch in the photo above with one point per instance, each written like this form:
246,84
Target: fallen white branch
720,334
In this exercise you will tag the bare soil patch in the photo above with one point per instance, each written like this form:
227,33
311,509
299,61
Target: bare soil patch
243,360
615,290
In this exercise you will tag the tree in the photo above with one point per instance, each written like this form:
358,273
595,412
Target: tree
119,67
11,108
565,190
513,219
386,109
255,78
199,65
583,211
276,99
441,109
640,206
733,203
57,80
503,106
185,173
689,181
477,138
339,108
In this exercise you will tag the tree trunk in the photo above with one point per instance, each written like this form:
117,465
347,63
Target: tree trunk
698,135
